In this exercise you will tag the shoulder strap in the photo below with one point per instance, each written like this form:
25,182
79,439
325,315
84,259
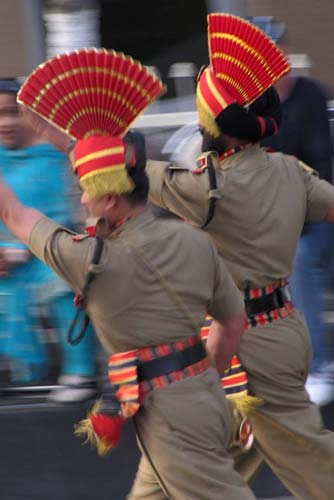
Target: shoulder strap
82,299
205,162
95,260
213,193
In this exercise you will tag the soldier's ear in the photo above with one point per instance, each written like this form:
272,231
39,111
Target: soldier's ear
112,200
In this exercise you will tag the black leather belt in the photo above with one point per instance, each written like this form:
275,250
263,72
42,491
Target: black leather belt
178,360
275,300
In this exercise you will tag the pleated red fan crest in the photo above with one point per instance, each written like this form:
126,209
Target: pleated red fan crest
90,92
246,60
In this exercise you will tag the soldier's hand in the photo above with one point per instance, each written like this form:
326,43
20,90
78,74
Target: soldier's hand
223,341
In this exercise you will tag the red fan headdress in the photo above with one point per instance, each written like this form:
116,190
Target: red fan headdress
93,95
244,63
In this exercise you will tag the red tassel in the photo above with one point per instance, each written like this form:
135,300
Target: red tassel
100,429
108,428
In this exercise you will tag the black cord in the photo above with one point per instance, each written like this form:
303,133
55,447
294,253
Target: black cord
213,187
81,307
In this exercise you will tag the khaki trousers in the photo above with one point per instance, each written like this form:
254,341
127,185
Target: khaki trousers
288,428
184,431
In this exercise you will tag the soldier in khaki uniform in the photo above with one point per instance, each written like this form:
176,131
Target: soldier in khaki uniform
262,200
147,300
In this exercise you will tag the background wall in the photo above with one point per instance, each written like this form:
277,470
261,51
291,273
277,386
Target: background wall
22,45
310,25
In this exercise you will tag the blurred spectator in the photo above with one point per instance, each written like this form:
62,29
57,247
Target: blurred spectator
305,133
30,291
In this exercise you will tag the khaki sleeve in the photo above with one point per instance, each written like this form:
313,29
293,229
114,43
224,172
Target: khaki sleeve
320,197
227,301
179,190
54,245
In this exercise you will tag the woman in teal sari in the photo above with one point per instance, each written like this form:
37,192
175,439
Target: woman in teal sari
39,175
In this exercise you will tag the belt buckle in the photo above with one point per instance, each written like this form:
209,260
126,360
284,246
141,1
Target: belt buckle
246,436
255,306
243,437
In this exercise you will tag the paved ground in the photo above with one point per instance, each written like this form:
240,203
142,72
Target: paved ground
43,460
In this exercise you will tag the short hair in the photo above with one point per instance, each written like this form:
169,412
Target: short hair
135,166
140,193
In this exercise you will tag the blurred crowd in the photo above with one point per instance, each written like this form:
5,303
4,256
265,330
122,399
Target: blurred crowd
35,305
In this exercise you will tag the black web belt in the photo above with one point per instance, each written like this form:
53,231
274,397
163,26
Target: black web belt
275,300
173,362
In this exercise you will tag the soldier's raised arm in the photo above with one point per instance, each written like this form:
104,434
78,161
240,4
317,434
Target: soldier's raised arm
179,190
17,217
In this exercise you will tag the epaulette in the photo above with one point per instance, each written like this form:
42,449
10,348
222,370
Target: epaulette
201,164
177,168
307,168
80,236
94,226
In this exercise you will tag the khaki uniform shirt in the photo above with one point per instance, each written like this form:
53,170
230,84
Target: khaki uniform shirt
127,303
265,198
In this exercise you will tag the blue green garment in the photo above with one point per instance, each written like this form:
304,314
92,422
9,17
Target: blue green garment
41,178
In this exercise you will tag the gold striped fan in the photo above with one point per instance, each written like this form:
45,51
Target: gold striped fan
90,92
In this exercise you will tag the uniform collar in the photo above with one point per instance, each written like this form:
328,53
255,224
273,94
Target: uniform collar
132,223
234,156
99,226
96,226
